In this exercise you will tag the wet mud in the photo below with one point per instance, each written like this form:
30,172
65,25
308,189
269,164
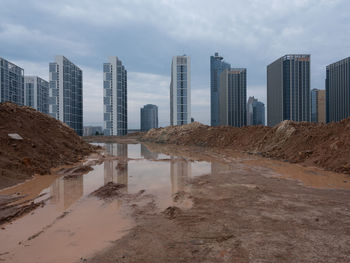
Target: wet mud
161,203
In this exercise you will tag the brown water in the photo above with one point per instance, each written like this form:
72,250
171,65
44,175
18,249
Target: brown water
73,225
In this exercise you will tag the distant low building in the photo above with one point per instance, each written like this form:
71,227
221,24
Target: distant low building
92,130
11,82
318,105
36,93
149,117
255,112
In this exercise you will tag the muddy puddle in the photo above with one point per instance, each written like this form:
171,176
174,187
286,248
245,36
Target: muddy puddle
73,225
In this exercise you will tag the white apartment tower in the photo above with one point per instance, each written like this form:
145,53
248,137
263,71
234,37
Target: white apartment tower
115,107
180,90
66,93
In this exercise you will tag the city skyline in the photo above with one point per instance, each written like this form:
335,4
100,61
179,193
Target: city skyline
155,31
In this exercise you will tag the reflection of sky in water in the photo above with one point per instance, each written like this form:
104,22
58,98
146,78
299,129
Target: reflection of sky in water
160,178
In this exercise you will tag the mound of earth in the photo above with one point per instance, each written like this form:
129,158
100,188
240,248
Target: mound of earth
323,145
32,142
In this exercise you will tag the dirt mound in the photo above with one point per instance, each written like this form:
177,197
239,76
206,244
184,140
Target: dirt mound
33,142
324,145
109,190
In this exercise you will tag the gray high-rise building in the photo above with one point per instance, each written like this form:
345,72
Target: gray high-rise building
255,112
66,93
180,91
338,90
36,93
288,89
11,82
217,65
115,106
233,97
149,117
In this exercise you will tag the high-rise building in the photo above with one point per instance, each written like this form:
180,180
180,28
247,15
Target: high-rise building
255,112
11,82
318,105
338,90
217,65
233,97
36,93
180,91
66,93
115,96
288,89
149,117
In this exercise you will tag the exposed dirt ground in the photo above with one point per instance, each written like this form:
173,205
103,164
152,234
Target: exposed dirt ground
46,143
323,145
244,215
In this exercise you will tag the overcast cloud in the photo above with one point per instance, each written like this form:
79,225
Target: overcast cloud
145,34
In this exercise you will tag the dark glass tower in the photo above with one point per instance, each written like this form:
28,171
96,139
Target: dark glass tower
338,90
217,66
288,89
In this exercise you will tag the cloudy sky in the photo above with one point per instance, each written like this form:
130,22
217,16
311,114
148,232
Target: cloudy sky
145,34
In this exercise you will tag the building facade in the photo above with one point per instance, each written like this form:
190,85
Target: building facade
338,90
233,97
318,105
288,89
115,95
217,65
36,93
255,112
11,82
148,117
180,91
66,93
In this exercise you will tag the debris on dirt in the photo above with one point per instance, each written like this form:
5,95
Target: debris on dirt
323,145
172,212
109,190
10,212
32,142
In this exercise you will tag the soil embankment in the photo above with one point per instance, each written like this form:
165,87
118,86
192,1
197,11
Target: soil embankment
323,145
32,143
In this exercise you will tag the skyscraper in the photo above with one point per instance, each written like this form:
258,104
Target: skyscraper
217,65
115,96
149,117
11,82
255,112
338,90
233,97
288,89
318,105
36,93
180,90
66,93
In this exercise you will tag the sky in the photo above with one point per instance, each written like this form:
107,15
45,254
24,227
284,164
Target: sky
146,34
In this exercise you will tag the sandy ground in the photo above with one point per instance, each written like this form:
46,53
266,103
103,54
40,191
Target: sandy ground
245,215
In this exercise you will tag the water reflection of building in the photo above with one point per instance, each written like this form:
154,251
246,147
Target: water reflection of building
147,154
116,171
180,171
65,192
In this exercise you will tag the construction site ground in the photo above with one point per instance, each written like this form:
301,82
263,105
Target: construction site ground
167,203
